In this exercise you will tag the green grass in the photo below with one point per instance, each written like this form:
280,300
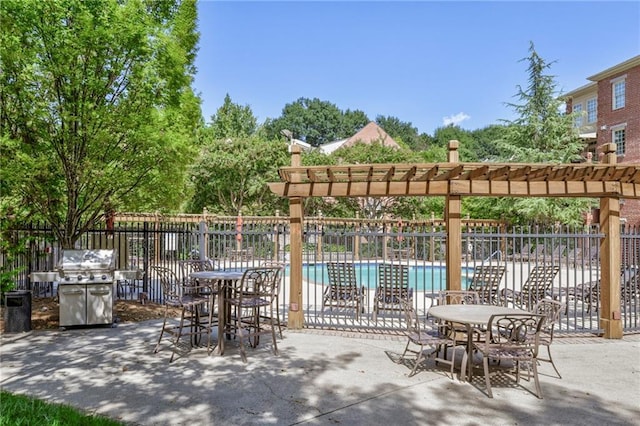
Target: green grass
18,410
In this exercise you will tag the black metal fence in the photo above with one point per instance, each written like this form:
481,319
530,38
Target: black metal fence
231,242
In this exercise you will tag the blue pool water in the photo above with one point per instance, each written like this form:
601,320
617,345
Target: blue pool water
421,277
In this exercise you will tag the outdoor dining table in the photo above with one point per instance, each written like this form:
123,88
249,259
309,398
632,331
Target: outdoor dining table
469,316
223,280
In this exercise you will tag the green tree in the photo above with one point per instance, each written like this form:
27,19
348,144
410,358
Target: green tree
540,134
401,131
443,135
372,207
232,120
231,176
316,122
485,141
97,107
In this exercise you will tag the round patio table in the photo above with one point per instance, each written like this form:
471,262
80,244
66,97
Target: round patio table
470,316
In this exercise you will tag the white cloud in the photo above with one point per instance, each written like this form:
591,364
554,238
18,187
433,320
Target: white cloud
455,119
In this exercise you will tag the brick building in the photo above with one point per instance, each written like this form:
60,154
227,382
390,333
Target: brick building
608,110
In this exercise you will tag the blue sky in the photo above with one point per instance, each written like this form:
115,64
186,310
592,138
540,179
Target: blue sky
427,63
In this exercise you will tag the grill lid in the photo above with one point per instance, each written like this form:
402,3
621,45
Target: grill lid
87,260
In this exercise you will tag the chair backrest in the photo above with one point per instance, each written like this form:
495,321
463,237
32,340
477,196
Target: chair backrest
393,280
486,281
171,285
551,310
514,331
539,282
413,323
342,276
458,297
261,281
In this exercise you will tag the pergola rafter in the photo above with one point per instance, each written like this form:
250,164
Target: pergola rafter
607,181
477,179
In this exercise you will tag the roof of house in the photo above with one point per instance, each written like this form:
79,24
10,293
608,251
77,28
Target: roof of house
623,66
368,134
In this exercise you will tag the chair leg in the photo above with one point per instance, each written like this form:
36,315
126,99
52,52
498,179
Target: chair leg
537,381
164,324
241,331
273,335
463,366
406,348
553,364
278,316
453,359
177,341
418,360
487,378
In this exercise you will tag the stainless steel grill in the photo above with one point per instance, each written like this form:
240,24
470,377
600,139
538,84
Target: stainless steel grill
86,281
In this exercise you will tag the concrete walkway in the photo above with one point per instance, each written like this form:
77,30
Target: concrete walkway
319,378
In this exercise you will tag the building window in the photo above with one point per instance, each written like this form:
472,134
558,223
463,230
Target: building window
619,95
592,110
619,137
577,115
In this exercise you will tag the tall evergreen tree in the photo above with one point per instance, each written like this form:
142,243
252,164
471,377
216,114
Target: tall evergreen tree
541,133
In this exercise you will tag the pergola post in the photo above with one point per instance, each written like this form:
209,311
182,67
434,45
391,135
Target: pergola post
296,314
610,259
453,212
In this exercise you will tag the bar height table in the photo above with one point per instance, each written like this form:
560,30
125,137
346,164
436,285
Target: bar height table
224,280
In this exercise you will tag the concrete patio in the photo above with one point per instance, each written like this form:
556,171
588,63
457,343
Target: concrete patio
320,377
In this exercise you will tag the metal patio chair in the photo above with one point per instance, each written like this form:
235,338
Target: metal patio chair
486,282
192,304
187,267
589,292
435,335
551,310
513,337
457,333
537,286
282,266
343,291
253,299
393,286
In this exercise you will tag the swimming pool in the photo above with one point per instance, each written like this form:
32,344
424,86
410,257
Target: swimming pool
421,277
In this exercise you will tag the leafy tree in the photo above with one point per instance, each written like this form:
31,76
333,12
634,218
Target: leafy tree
443,135
541,134
97,108
231,176
232,120
315,122
400,131
352,122
485,141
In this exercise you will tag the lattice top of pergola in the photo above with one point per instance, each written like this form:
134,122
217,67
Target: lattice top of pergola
488,179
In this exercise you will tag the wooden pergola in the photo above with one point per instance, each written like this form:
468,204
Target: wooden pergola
607,181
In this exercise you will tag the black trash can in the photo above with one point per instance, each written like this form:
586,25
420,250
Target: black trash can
17,311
